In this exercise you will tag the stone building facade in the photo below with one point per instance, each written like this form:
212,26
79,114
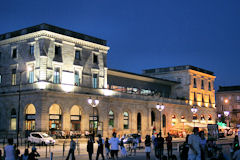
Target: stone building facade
228,99
47,75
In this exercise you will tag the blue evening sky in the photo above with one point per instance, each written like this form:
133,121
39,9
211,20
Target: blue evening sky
145,34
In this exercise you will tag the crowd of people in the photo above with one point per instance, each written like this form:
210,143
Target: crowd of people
196,147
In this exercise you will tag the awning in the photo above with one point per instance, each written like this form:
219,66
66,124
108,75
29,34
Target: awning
199,125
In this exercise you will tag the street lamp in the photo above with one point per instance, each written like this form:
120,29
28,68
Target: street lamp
160,108
94,104
194,111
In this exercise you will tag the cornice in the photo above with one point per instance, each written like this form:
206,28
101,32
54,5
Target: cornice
56,36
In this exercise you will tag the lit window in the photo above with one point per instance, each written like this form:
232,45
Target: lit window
13,122
95,81
111,119
77,55
14,78
31,76
14,53
95,59
125,120
56,78
31,50
77,78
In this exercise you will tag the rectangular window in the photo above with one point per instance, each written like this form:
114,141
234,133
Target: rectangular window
31,76
14,78
194,83
95,59
77,55
57,50
77,78
13,123
202,84
95,81
31,50
0,55
14,53
56,77
209,86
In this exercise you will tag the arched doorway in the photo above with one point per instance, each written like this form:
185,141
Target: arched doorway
75,118
55,118
139,122
30,116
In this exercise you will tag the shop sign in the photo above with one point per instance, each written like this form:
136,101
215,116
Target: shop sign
91,118
54,117
75,118
30,117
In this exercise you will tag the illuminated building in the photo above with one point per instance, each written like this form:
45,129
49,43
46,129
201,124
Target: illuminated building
57,71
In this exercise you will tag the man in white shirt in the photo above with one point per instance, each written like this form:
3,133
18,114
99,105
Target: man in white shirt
194,152
114,142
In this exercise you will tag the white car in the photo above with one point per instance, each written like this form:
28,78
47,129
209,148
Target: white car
40,138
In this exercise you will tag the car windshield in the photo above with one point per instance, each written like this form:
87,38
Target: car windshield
45,135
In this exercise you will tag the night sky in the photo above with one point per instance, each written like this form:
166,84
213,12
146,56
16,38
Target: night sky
145,34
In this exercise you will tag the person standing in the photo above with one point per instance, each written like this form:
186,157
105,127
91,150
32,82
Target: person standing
90,147
33,154
161,145
25,155
169,145
114,142
203,144
147,147
107,148
100,147
9,150
72,149
194,152
153,138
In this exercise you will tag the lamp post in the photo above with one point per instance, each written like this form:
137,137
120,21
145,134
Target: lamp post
94,104
160,108
194,111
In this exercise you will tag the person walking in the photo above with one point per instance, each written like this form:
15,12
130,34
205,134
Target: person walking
107,148
153,138
33,154
161,145
90,147
114,142
100,147
134,145
147,147
169,145
194,152
9,150
72,149
123,149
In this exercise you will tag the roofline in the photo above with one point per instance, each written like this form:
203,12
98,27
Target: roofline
165,80
228,89
54,29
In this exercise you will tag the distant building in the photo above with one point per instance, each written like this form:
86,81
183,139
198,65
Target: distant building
228,100
58,70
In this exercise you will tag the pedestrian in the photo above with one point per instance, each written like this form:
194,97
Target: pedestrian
123,149
107,148
17,154
134,145
90,146
156,146
72,149
25,155
185,149
236,155
114,142
161,144
235,144
169,145
33,154
153,138
100,147
203,145
147,147
194,152
9,150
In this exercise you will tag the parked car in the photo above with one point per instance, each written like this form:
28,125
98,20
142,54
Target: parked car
41,138
129,138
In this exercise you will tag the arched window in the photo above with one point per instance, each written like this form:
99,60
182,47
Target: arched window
152,118
30,118
139,122
55,119
111,119
164,121
75,118
13,122
125,120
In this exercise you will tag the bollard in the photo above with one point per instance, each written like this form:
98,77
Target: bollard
46,151
63,148
78,148
51,156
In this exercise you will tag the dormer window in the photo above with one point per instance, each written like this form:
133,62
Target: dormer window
14,53
77,55
31,50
